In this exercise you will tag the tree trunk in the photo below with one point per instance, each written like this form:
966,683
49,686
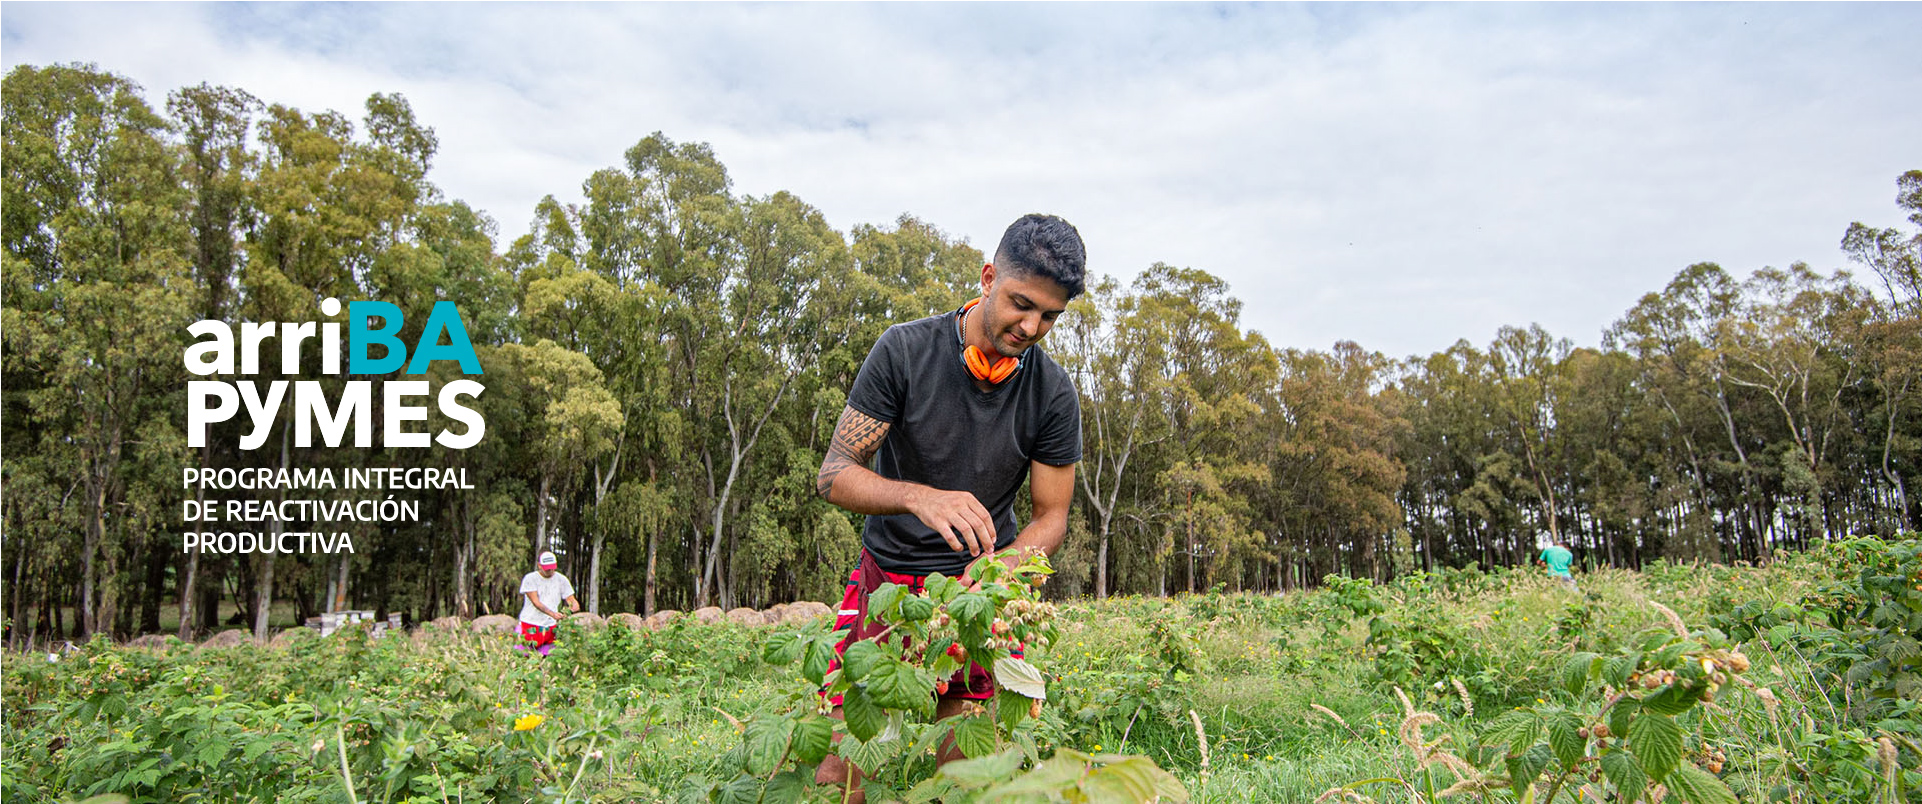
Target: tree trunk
340,587
463,561
264,588
96,496
594,574
704,589
648,586
602,481
157,556
1101,562
109,595
738,450
189,573
540,515
15,608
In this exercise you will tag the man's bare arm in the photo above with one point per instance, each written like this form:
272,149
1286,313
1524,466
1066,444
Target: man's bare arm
857,436
846,481
1052,488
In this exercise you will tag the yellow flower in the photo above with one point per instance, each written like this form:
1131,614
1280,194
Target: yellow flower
526,723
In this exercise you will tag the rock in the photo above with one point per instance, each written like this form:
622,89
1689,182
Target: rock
745,616
151,641
586,619
775,614
495,622
807,612
709,614
631,622
659,620
228,639
451,622
292,635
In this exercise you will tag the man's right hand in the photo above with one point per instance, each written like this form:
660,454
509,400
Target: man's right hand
957,516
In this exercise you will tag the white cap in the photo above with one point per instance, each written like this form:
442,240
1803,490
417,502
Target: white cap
546,560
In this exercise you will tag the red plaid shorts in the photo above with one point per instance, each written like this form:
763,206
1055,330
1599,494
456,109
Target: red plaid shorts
972,684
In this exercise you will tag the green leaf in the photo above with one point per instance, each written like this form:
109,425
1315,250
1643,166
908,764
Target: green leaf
787,787
1018,675
983,771
894,684
933,788
975,736
883,602
860,658
870,755
1564,737
1121,781
213,752
1657,741
1514,730
1059,772
782,648
1616,671
815,659
743,790
1525,768
1576,671
695,790
767,741
1618,716
1010,708
1169,788
973,612
813,739
916,609
927,737
863,717
1698,786
1672,700
941,588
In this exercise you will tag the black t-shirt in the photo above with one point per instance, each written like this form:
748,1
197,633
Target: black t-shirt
946,433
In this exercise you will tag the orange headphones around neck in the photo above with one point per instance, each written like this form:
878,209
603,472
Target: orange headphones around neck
994,369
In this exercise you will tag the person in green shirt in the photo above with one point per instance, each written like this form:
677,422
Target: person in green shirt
1557,558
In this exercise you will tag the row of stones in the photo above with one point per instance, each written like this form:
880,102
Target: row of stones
803,612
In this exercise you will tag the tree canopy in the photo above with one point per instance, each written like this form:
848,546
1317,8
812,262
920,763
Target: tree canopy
665,361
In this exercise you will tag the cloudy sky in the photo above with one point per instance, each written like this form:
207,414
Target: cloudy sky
1401,176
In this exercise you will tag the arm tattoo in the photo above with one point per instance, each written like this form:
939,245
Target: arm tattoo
856,438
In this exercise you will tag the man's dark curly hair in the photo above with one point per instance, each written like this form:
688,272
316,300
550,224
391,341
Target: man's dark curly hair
1045,246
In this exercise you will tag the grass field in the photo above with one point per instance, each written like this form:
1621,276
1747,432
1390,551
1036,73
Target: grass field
1803,676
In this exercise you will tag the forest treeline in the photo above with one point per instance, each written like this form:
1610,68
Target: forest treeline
665,361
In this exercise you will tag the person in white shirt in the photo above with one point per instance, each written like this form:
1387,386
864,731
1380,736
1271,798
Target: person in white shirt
544,589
